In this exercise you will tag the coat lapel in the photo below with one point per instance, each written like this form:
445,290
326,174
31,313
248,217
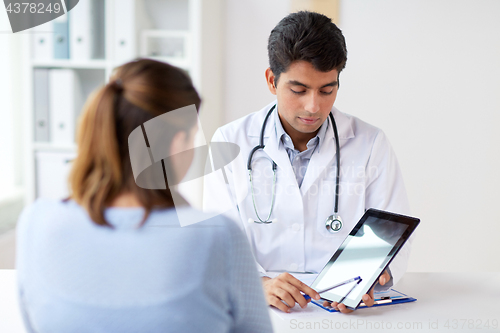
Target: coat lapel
324,157
280,157
271,148
319,161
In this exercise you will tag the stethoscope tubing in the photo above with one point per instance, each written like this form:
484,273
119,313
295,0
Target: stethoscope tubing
337,149
249,167
261,140
261,146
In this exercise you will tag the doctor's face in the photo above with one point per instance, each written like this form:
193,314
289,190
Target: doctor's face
305,97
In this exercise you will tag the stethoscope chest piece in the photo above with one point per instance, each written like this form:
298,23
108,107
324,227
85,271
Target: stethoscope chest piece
333,223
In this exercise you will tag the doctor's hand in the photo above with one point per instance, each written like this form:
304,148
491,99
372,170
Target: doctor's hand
286,288
368,299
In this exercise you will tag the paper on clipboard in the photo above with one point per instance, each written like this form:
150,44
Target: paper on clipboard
395,297
393,294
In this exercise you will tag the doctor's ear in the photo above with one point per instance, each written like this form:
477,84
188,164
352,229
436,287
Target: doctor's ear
271,81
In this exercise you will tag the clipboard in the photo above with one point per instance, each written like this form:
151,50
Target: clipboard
382,297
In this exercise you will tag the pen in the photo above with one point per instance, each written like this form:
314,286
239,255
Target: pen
358,278
343,298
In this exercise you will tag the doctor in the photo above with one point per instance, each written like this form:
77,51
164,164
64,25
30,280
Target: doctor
284,194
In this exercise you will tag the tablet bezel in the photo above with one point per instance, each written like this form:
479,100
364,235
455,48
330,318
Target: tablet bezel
412,224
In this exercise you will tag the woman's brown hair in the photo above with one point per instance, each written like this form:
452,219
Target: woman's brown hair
137,92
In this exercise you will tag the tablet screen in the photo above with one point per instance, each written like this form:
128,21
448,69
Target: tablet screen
365,253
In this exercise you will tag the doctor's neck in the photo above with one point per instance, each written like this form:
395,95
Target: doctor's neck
299,138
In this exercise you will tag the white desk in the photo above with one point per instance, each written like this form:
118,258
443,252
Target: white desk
447,302
10,316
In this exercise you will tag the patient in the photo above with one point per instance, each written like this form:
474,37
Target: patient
113,257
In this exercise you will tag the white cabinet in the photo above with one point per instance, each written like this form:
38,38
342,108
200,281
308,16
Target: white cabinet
51,173
76,54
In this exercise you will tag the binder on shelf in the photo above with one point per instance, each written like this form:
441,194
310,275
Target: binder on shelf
79,31
61,37
63,100
86,30
41,104
52,170
43,45
98,29
124,47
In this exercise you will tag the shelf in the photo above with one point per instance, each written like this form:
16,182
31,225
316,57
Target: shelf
91,64
155,45
181,63
47,146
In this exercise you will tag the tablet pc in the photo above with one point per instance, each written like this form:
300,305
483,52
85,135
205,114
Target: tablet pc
366,252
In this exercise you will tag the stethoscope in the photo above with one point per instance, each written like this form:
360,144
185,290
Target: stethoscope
333,222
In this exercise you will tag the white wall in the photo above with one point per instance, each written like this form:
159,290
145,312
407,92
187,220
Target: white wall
233,61
10,111
428,73
212,64
248,25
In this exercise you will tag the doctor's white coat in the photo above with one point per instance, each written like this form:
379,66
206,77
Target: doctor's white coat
298,240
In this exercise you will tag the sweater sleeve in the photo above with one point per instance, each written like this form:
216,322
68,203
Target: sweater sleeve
249,309
220,197
23,231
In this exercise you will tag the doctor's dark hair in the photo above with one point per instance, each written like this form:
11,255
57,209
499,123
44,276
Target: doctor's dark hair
307,36
138,91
